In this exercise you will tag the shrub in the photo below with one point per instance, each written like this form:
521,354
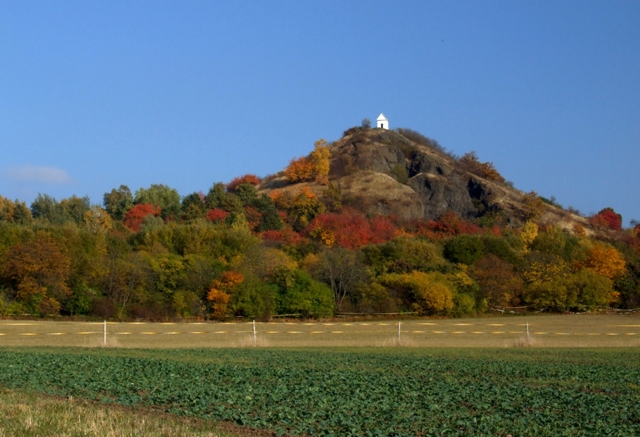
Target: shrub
532,206
250,179
299,170
464,249
470,163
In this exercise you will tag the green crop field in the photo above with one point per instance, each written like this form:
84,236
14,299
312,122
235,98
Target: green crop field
355,391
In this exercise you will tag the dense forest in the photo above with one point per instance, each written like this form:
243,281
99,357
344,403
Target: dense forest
237,251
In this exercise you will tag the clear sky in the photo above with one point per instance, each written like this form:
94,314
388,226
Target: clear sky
95,94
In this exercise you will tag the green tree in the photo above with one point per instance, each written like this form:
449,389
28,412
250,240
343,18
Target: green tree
193,207
298,293
464,249
118,202
165,197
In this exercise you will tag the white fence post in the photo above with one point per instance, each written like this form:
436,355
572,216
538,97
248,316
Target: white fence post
104,340
399,332
255,338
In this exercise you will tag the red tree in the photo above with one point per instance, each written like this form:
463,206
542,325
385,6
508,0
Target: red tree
217,215
250,179
350,228
134,217
607,218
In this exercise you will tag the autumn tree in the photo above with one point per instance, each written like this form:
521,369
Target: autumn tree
320,160
217,215
316,165
74,208
605,260
532,206
470,162
302,208
250,179
299,170
14,212
499,282
528,234
607,219
431,293
134,217
97,220
38,271
219,293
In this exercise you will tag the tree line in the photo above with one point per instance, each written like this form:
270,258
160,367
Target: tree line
237,252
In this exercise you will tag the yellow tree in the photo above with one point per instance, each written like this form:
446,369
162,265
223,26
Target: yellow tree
320,159
606,261
532,206
528,234
97,220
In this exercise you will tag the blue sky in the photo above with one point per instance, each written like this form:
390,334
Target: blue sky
102,93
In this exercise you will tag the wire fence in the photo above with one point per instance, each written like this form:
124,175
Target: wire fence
548,330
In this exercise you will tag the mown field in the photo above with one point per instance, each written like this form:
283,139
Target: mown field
578,330
355,391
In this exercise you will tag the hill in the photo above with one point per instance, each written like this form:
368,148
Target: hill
384,172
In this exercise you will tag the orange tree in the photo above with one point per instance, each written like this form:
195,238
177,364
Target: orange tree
219,293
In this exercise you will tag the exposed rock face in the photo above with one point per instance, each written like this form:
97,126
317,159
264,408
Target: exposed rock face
379,193
382,172
432,182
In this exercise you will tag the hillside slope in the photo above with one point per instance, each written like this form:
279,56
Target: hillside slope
383,172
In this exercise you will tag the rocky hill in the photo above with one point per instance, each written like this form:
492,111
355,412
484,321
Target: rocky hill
383,172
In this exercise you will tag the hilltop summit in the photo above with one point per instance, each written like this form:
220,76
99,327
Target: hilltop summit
382,171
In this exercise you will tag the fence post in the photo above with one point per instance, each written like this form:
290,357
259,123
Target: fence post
255,338
104,336
399,332
527,330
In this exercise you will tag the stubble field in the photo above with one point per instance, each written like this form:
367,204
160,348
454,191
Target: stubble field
544,331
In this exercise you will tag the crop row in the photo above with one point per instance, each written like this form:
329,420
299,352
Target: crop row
360,394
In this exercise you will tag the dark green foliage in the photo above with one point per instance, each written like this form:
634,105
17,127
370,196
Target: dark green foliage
299,294
193,207
254,299
72,209
464,249
165,197
118,202
217,197
474,393
499,247
263,204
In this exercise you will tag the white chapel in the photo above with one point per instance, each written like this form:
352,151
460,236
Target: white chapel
382,122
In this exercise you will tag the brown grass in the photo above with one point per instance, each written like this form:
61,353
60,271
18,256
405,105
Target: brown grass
28,414
548,330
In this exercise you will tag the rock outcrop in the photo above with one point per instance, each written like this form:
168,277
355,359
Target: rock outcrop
382,172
